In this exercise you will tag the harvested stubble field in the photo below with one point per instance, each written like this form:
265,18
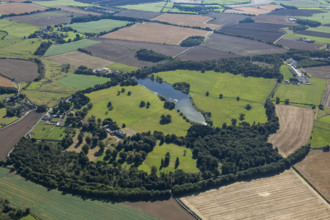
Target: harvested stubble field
76,10
240,46
204,53
187,20
263,9
6,82
155,33
19,8
326,96
138,14
11,135
284,196
274,19
223,19
296,125
20,70
315,168
293,44
319,71
76,58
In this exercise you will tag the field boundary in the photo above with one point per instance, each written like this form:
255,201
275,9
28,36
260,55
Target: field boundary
186,208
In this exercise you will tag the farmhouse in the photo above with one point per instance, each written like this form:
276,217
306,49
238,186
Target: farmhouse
103,70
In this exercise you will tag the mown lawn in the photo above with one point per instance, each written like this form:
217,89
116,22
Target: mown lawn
285,71
97,26
68,47
54,205
321,132
126,110
57,133
187,163
42,130
82,81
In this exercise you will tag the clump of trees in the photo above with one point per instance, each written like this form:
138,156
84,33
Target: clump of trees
307,22
43,48
169,105
247,20
150,55
7,211
192,41
182,86
165,119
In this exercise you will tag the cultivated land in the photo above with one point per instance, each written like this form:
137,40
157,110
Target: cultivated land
319,71
5,120
251,90
68,47
321,129
294,12
261,199
303,94
82,81
293,44
187,20
6,82
300,3
152,7
76,58
274,19
60,3
326,96
19,8
138,14
126,110
315,168
224,19
263,9
54,205
11,135
76,10
320,40
296,125
97,26
204,53
320,17
155,33
20,70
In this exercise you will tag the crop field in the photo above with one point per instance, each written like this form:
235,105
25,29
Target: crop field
321,129
240,46
293,44
223,19
122,51
204,53
293,12
314,33
315,168
5,120
326,96
20,70
319,71
97,26
12,134
76,58
76,10
263,9
126,110
260,199
300,3
68,47
153,7
320,17
253,91
187,163
156,33
138,14
122,67
303,94
19,8
187,20
296,125
274,19
226,2
82,81
53,3
322,28
320,40
53,204
260,31
6,82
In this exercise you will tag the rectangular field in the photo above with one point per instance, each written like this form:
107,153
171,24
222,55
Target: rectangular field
68,47
20,70
293,44
284,196
138,14
326,96
82,81
19,8
319,71
155,33
321,130
223,19
258,10
187,20
153,7
319,40
53,3
6,82
97,26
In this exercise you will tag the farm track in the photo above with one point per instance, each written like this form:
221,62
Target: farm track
296,125
284,196
326,96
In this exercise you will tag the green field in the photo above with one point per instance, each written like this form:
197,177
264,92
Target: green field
285,71
97,26
126,110
42,130
57,133
5,120
321,131
82,81
303,94
54,205
321,28
324,18
122,67
251,90
292,36
22,50
187,163
68,47
299,3
60,2
226,2
154,7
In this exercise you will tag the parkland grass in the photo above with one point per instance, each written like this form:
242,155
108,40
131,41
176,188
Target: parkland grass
321,131
21,50
55,205
5,120
57,133
42,130
122,67
82,81
126,110
98,26
68,47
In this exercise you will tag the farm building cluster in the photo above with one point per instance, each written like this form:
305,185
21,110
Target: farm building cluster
300,77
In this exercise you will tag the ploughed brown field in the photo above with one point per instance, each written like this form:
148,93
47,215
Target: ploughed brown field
138,14
326,97
223,19
257,10
274,19
284,196
187,20
293,44
19,8
76,10
204,53
319,71
315,168
9,136
155,33
20,70
76,58
296,125
6,82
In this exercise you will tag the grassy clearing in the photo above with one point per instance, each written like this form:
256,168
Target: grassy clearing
285,71
5,120
304,94
293,36
321,130
68,47
82,81
126,110
98,26
153,7
60,2
42,130
123,67
54,205
57,133
187,163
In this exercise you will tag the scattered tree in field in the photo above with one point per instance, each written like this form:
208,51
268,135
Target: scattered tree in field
184,153
110,106
248,107
80,137
148,105
88,140
129,93
41,108
142,104
122,90
118,93
237,98
123,125
220,96
233,121
277,100
167,159
241,116
287,101
321,107
177,162
207,93
169,105
165,119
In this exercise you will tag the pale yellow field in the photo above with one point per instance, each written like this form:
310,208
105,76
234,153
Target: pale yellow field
263,9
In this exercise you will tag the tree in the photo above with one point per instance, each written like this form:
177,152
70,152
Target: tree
165,119
321,107
220,96
41,108
277,100
177,162
167,159
241,116
85,149
233,121
287,101
110,106
142,104
148,105
248,107
207,93
237,98
129,93
80,137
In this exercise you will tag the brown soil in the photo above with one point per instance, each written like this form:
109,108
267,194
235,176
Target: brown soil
138,14
165,210
223,19
76,58
293,44
7,83
284,196
11,135
263,9
19,8
320,71
274,19
296,125
20,70
76,10
187,20
155,33
326,96
315,168
204,53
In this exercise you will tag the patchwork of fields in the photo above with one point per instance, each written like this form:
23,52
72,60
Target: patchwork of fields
19,8
97,26
68,47
20,70
321,129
